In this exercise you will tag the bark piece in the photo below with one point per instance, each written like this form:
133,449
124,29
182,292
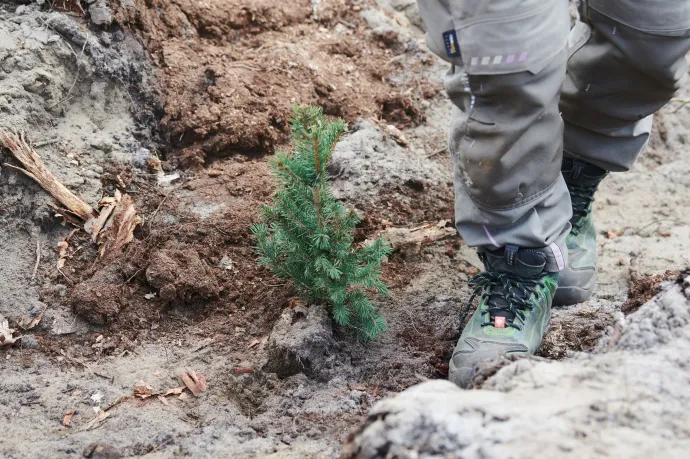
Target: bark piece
35,168
6,338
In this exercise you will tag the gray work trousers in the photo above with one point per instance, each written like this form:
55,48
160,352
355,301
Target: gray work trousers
527,89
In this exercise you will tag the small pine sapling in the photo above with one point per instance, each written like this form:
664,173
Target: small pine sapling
306,235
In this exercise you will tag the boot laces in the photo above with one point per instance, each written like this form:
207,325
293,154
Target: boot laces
516,293
582,197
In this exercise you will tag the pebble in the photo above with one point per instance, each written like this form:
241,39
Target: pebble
101,13
103,145
101,451
29,342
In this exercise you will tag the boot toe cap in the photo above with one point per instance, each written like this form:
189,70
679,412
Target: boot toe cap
474,350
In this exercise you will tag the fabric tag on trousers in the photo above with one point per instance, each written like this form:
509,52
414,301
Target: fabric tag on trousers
511,251
450,39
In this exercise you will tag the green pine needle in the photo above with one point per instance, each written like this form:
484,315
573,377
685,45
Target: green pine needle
307,236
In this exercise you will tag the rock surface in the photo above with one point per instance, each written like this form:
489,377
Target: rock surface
627,401
368,160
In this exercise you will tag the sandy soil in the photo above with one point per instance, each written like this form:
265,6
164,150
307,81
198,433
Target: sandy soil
107,93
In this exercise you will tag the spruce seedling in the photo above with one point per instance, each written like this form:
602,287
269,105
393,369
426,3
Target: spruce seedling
307,236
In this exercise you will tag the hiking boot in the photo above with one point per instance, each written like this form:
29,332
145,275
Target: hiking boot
515,294
577,280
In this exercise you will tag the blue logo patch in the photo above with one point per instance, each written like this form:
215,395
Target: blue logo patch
450,39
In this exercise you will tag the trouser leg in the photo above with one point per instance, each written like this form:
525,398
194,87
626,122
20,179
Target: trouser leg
630,64
506,131
506,152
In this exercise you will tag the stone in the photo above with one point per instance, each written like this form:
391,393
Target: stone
101,451
300,342
101,13
29,342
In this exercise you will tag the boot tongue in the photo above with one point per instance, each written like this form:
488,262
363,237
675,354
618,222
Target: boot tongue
511,260
582,174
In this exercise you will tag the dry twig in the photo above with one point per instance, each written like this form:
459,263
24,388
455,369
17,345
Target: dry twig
35,168
38,259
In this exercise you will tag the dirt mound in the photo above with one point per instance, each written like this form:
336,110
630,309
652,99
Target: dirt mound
179,274
194,253
231,70
98,299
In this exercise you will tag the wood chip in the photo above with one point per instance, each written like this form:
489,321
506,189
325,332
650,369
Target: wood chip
195,382
396,134
241,371
611,235
663,233
119,230
143,390
163,400
107,205
6,333
62,254
68,417
174,391
27,322
100,418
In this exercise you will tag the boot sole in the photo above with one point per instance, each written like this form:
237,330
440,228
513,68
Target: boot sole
568,296
457,377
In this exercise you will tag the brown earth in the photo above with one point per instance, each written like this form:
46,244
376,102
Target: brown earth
229,73
644,287
232,70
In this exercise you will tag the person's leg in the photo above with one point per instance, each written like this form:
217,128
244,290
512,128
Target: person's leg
506,142
627,62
